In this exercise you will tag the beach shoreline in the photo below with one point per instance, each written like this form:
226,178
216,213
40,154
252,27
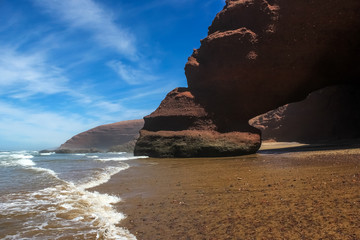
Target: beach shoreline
290,195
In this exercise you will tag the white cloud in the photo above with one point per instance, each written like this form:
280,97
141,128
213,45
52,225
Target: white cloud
90,16
34,128
24,75
131,75
29,74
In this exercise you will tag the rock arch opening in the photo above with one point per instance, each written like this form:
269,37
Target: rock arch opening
327,115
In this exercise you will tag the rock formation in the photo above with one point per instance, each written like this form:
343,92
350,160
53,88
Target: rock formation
329,114
105,137
262,54
180,127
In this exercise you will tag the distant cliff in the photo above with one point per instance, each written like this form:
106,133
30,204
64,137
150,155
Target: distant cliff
120,135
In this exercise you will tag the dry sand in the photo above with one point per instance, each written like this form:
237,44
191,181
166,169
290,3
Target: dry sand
271,195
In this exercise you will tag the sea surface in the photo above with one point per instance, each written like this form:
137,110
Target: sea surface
47,196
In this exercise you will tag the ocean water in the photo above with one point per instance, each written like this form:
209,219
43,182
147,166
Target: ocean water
47,196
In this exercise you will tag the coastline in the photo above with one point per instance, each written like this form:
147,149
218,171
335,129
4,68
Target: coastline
289,195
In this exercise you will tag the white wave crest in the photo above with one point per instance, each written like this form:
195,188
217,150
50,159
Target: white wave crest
46,170
47,153
17,160
120,158
25,161
102,177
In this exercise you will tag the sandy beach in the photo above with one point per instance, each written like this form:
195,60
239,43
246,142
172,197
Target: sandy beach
269,195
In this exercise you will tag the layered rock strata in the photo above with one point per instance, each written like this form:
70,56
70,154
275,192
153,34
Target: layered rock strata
105,137
180,127
262,54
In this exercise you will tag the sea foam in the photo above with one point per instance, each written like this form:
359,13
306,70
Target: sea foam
80,212
102,177
120,158
67,209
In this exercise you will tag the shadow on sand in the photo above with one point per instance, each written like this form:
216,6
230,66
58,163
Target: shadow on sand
287,147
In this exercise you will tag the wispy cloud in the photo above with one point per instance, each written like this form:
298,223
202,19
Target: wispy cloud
131,75
90,16
30,73
146,92
24,75
149,5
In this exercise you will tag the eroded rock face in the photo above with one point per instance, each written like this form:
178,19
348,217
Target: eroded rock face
262,54
106,136
180,127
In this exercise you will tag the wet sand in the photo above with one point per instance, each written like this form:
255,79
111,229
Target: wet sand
271,195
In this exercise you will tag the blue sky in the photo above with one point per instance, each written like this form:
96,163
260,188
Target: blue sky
70,65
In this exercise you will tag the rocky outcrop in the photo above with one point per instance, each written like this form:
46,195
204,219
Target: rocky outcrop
180,127
105,137
329,114
262,54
